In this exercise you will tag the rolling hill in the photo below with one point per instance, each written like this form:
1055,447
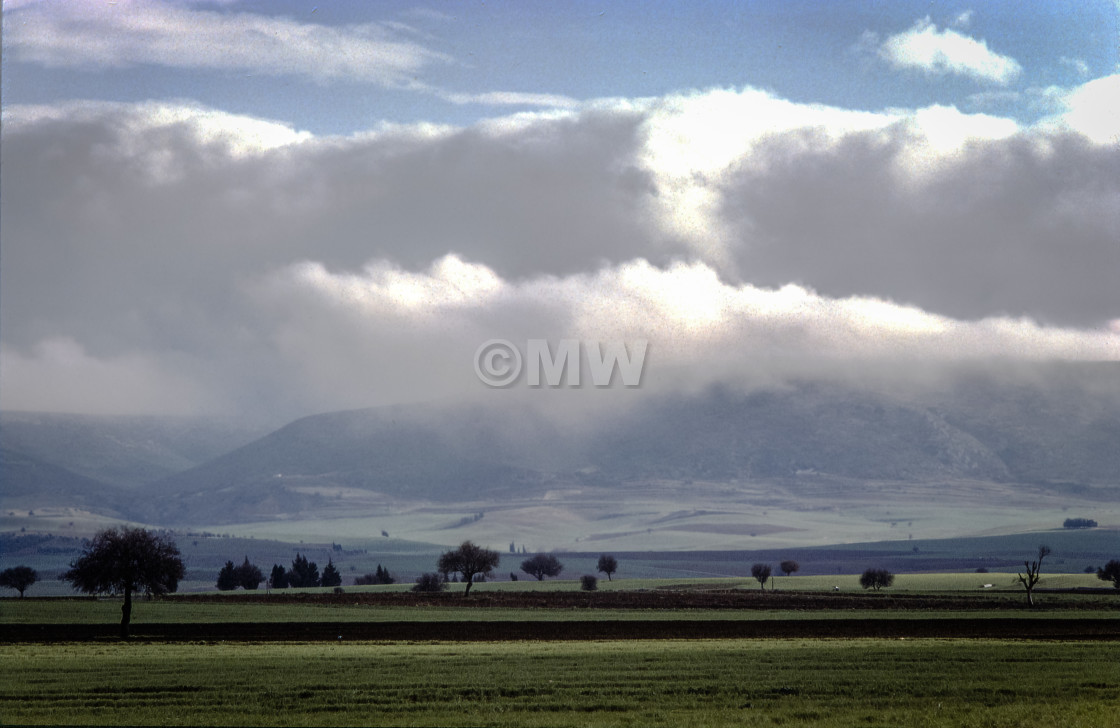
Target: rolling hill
979,433
127,451
978,430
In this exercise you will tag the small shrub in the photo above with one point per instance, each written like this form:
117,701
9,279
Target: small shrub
542,565
19,578
381,576
429,583
588,582
1110,572
876,579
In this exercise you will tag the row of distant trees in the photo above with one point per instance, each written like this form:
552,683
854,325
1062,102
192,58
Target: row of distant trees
126,561
381,576
762,572
246,576
476,563
304,573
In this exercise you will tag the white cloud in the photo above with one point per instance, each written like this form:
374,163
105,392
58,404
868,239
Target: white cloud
700,330
693,141
239,135
942,52
228,257
509,98
1092,109
131,32
1080,67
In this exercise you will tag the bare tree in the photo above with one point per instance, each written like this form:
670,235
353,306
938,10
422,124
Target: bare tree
761,572
470,561
1033,569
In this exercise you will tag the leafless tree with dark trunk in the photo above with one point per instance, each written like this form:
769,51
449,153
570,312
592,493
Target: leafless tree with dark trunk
1033,568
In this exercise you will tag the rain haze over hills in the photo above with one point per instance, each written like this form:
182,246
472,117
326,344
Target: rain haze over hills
250,253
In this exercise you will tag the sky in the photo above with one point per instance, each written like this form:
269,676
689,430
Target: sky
281,208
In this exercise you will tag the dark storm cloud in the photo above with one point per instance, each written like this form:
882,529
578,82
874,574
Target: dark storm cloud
1017,227
115,234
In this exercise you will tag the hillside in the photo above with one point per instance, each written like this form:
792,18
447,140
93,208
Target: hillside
122,450
979,430
700,470
30,483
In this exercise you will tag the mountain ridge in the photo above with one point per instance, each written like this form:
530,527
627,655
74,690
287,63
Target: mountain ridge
1056,432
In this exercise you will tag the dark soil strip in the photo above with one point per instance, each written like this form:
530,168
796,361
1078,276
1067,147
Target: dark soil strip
995,628
657,599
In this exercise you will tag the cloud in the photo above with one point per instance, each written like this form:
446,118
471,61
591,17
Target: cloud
172,256
1021,226
387,334
1079,66
946,52
510,98
1090,110
58,374
152,32
237,135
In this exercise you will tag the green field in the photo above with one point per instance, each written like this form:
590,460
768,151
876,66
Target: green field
919,564
257,606
639,683
984,681
1001,583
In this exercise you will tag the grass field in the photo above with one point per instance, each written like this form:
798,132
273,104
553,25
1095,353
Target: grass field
915,582
641,683
984,681
916,562
257,606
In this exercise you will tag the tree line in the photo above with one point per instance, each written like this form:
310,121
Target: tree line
128,561
304,573
476,564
